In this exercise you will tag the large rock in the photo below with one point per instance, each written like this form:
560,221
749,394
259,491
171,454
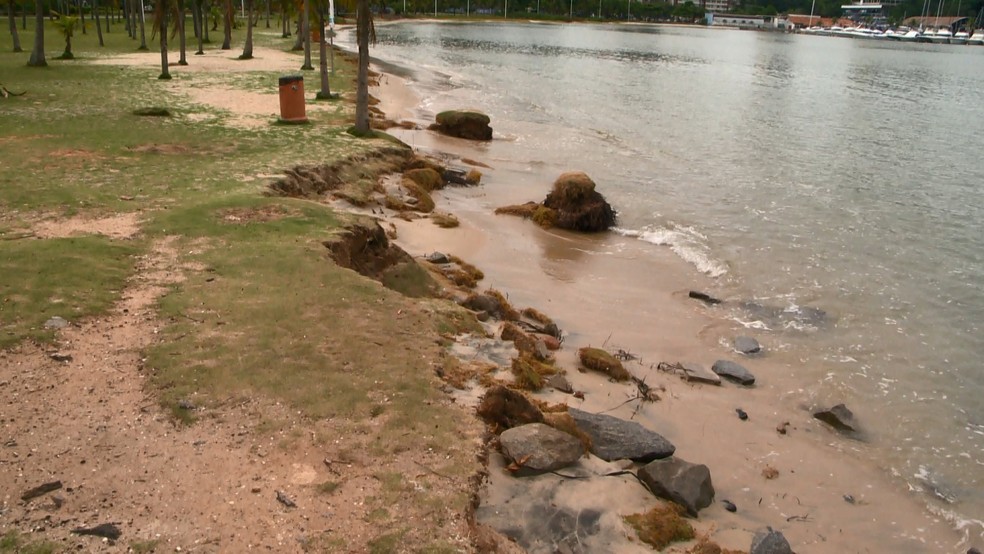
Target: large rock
770,542
464,124
538,448
747,345
733,372
616,439
578,206
838,417
687,484
507,408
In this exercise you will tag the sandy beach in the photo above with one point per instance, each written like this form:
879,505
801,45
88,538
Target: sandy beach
612,292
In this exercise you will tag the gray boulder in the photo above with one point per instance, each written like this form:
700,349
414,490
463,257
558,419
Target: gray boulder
687,484
733,372
770,542
747,345
539,448
616,439
838,417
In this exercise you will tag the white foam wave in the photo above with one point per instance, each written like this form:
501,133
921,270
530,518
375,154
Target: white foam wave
685,242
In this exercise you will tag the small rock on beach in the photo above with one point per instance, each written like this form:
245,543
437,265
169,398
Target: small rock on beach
839,417
733,372
747,345
770,542
687,484
538,448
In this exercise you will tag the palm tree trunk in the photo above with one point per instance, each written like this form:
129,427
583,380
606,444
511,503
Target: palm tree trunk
13,26
268,8
299,41
199,26
37,54
182,59
325,92
99,30
248,48
362,83
143,32
306,35
206,9
165,74
81,16
227,25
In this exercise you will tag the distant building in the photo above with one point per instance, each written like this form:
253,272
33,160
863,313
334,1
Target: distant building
748,21
953,23
716,6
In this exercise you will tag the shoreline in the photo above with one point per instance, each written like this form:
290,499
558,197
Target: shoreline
561,274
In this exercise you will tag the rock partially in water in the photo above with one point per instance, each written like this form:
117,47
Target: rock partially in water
839,417
687,484
733,372
464,124
537,448
747,345
770,542
615,439
704,297
507,408
578,206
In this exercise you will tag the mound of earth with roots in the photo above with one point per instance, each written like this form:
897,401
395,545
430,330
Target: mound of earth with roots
573,203
464,124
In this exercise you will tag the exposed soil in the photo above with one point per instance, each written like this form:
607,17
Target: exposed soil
121,226
79,414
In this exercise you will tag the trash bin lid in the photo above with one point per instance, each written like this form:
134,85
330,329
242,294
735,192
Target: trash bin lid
288,79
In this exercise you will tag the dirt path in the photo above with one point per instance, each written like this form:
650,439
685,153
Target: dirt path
88,423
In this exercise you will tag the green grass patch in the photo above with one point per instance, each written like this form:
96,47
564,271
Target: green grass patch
15,542
68,277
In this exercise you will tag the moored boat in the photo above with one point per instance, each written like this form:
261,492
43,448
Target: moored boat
960,37
977,38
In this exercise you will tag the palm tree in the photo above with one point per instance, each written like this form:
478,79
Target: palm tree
248,47
95,12
365,33
230,13
179,28
66,26
306,34
325,92
200,25
13,26
160,26
143,30
37,54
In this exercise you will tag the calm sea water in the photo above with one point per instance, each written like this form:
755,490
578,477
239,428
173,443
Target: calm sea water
797,171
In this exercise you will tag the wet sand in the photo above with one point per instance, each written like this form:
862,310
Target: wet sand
615,292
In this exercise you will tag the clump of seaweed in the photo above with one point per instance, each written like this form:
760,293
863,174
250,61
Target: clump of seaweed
445,221
424,201
508,312
600,360
522,210
662,525
531,373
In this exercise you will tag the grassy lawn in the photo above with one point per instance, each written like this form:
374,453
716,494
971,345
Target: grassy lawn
269,314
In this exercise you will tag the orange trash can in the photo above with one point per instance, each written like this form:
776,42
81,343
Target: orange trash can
292,99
